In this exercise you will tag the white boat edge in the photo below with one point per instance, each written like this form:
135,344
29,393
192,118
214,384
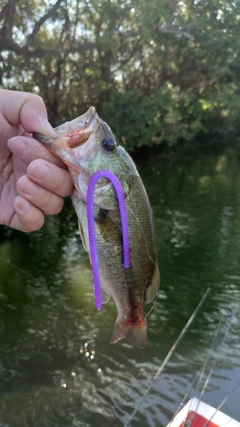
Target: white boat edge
206,411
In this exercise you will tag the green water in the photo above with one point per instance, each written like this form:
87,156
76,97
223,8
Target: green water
57,367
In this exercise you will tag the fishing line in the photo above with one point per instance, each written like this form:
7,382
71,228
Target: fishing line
204,366
221,404
151,309
31,277
141,228
198,377
213,362
209,353
165,361
215,359
17,268
154,303
192,386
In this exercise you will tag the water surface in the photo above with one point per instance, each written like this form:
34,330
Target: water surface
57,367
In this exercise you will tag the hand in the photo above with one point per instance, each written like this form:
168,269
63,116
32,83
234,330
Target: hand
32,181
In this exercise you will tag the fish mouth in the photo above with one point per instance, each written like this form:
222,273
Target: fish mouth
74,133
80,129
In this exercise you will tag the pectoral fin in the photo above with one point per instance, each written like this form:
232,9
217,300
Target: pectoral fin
82,234
105,296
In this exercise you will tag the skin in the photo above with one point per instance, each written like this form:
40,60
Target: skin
33,182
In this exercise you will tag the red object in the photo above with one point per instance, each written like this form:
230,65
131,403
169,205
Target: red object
196,420
197,413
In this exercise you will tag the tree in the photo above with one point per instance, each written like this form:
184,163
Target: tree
157,70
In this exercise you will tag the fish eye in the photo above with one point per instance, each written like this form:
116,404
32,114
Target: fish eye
108,144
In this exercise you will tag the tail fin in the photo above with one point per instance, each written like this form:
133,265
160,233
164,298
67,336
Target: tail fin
136,333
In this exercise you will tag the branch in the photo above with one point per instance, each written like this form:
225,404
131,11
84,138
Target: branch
41,21
7,16
38,52
6,40
10,45
166,29
170,29
8,7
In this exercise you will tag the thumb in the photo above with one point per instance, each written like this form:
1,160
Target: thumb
27,110
33,117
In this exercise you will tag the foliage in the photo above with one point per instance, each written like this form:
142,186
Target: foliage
156,70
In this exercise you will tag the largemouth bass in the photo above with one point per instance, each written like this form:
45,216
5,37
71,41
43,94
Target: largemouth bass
87,145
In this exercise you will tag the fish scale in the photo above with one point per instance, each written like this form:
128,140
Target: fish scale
88,145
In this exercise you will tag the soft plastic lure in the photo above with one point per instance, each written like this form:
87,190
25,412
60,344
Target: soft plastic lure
91,229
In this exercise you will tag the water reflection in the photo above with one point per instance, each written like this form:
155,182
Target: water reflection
56,364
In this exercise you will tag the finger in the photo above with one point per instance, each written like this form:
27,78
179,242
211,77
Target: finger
29,149
49,203
51,177
27,110
27,217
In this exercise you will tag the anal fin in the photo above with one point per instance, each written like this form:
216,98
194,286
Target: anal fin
152,289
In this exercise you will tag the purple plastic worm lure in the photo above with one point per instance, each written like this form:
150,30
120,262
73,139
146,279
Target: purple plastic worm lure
91,229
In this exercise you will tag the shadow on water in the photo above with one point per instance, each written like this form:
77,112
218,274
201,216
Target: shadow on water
57,367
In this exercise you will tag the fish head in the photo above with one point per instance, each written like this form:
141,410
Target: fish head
87,145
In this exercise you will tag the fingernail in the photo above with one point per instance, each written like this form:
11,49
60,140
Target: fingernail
23,205
45,128
17,146
39,170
